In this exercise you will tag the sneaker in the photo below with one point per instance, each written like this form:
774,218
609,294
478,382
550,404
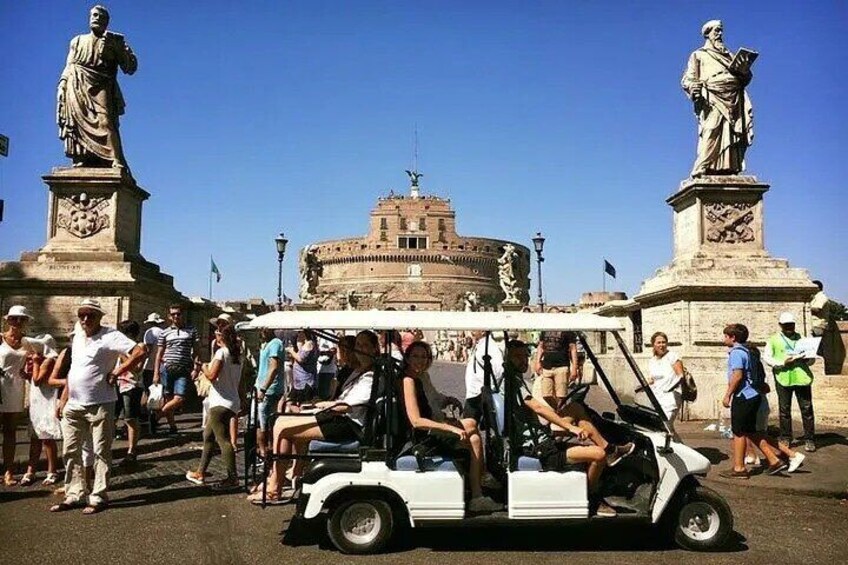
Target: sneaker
196,478
753,460
619,452
490,482
809,446
605,510
795,462
777,468
484,504
733,474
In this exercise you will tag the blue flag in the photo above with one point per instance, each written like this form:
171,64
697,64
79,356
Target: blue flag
609,269
215,271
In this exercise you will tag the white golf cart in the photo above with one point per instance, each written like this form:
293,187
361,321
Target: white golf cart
363,492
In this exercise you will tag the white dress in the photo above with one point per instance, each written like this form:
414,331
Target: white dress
665,388
12,363
43,400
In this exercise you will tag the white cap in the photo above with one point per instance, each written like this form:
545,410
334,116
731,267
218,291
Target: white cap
153,318
786,318
222,316
18,312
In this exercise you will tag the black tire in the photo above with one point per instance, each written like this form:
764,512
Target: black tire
703,521
361,526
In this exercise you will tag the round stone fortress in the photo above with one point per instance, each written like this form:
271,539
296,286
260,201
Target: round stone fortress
411,257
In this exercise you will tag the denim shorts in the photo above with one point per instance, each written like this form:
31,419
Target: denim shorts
175,381
267,411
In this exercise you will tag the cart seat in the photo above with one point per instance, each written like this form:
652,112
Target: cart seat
529,464
318,446
431,463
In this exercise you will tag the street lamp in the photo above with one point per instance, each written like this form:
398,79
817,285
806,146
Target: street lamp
281,242
538,244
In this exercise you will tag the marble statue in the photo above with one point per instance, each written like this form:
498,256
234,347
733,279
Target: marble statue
472,301
715,81
310,271
351,300
506,275
89,100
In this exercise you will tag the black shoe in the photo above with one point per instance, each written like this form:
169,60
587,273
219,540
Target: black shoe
619,452
778,467
173,431
128,460
152,426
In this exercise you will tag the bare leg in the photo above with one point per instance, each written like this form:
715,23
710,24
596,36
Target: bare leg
476,471
52,450
737,447
582,420
762,442
262,441
593,455
170,407
34,455
132,435
234,431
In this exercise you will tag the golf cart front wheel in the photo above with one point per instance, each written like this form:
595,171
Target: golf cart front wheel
361,526
704,521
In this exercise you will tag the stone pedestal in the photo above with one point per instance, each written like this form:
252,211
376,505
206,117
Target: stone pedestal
92,250
721,273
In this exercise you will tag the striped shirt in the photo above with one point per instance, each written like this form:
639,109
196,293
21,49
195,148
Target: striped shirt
176,345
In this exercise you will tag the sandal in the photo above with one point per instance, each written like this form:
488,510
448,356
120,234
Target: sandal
50,480
274,499
9,479
27,479
94,508
64,506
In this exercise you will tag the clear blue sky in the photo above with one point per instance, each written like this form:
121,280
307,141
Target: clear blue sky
249,118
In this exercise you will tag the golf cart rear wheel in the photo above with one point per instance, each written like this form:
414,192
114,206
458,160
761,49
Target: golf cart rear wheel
361,526
704,521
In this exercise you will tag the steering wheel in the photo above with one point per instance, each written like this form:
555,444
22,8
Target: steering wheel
577,394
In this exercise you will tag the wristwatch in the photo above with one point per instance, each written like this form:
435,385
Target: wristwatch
263,390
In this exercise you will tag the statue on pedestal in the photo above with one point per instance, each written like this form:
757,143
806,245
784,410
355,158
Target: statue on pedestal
715,80
310,271
472,301
89,100
506,275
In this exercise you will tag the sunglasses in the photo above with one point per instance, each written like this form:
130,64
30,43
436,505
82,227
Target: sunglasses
175,314
16,318
92,315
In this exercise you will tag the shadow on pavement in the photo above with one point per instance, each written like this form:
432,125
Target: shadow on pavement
166,495
11,496
830,438
715,456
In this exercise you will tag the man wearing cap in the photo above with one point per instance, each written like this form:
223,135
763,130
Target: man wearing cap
792,375
176,353
151,340
90,411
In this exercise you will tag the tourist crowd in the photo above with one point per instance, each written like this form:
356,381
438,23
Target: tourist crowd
308,387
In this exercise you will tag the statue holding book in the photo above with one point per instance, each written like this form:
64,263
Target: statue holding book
715,80
89,100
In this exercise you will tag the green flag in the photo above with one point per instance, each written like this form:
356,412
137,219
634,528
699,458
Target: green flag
215,270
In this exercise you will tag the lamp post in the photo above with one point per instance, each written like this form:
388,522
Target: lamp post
539,244
281,242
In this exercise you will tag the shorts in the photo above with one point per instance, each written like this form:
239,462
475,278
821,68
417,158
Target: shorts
267,411
473,408
175,381
302,395
131,401
763,416
337,428
554,382
552,455
743,415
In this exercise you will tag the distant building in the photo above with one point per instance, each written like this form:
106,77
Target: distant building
412,256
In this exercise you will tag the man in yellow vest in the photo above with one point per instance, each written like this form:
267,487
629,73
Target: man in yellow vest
792,375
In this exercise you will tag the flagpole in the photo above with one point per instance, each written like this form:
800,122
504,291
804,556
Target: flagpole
604,274
210,278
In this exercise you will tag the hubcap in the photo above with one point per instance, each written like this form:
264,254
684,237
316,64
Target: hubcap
361,523
699,521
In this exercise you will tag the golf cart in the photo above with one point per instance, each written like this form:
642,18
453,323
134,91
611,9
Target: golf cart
365,491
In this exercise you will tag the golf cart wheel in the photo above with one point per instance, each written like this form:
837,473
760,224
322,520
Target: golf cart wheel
704,521
361,526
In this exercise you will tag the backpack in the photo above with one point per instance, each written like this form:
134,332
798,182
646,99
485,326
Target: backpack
758,371
688,388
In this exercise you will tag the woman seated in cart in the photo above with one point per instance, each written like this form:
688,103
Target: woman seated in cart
449,437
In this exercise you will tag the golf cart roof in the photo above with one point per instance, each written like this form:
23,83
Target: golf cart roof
425,320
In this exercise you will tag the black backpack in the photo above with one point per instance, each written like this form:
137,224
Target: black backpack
758,371
688,388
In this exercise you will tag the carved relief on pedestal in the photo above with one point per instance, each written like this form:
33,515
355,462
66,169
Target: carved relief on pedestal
729,223
83,216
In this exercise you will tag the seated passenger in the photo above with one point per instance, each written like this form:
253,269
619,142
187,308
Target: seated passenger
574,412
337,421
345,364
572,452
417,359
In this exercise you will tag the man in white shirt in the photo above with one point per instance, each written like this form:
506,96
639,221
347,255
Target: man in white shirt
327,367
151,341
90,410
818,305
474,371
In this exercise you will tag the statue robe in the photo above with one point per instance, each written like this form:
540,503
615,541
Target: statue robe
725,115
90,99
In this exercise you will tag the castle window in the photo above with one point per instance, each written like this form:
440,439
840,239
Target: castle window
384,223
442,224
383,236
403,224
422,224
412,242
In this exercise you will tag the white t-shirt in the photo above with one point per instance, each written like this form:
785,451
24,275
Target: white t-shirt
357,393
92,359
474,369
225,389
151,340
12,362
665,381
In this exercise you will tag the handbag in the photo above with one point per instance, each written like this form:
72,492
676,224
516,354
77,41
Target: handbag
688,387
